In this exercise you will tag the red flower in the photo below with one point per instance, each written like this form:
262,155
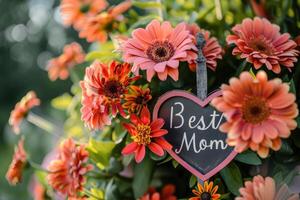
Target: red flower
21,109
14,172
261,43
167,193
145,134
66,173
110,82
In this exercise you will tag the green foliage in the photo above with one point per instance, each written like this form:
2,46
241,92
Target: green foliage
232,178
248,157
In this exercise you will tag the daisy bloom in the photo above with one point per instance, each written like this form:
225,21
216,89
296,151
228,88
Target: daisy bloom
206,192
92,111
265,189
136,99
110,83
76,12
66,173
145,133
167,193
97,28
261,43
158,49
21,109
59,67
211,50
259,112
15,170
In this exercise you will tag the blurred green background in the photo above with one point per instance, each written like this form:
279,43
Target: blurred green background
31,33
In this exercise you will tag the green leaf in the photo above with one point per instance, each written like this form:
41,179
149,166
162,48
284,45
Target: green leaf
248,157
193,181
62,102
146,4
175,163
143,173
96,194
100,152
278,177
290,176
232,178
103,56
111,191
286,148
156,157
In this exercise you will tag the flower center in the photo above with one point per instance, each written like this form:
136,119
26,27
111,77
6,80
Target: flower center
113,89
143,135
139,100
205,196
255,110
261,45
85,8
160,51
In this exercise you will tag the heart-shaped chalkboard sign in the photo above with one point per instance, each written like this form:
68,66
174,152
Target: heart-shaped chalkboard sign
193,127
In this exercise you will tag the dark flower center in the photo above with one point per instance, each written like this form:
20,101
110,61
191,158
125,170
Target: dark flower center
261,45
113,89
85,8
139,100
160,51
143,134
255,110
205,196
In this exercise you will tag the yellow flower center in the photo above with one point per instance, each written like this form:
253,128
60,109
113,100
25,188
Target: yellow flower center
160,51
143,135
255,110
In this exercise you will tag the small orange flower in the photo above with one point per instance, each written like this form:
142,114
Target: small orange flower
59,67
76,12
96,28
14,172
206,192
21,109
110,82
37,190
167,193
136,99
66,173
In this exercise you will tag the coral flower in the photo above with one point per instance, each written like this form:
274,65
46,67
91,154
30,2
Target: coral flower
258,112
211,50
14,173
59,67
206,192
261,43
92,111
97,27
136,99
110,82
145,134
76,12
21,109
158,49
265,189
66,173
167,193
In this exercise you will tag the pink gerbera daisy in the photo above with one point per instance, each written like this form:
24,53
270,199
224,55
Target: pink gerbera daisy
258,112
211,50
145,133
261,43
158,49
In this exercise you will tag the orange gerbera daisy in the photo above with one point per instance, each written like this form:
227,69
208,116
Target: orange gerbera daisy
76,12
206,192
261,43
211,50
258,112
145,133
158,49
136,99
15,170
110,82
66,173
167,193
59,67
92,111
21,109
97,27
265,189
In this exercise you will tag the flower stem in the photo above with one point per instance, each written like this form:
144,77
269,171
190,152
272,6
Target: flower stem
41,123
159,10
37,166
88,193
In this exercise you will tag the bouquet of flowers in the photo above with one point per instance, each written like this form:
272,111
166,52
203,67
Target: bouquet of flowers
112,148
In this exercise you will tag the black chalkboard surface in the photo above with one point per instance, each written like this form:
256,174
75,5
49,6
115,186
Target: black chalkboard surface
193,127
